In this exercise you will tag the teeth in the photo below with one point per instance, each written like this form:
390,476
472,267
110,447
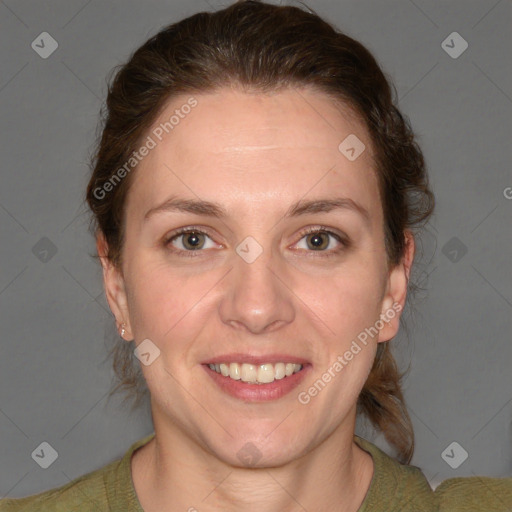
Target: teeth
256,374
266,373
234,371
280,369
249,373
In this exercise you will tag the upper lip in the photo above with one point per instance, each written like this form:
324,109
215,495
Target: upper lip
255,359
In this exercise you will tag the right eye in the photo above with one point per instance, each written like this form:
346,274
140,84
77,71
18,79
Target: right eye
187,240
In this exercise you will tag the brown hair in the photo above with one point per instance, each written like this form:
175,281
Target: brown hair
264,47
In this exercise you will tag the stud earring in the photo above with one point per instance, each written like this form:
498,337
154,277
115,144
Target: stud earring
123,330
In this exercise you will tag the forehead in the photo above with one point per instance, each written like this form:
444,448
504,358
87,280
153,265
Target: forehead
230,120
253,147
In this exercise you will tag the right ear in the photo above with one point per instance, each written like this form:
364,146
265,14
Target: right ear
113,282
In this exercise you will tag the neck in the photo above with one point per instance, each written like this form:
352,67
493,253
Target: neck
172,468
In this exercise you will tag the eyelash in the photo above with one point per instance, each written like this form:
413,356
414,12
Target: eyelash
345,243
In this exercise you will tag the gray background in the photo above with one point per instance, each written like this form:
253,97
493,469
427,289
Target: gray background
54,373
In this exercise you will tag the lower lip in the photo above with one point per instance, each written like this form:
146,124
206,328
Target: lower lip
258,392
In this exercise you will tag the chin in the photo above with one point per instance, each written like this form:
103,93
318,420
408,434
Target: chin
259,447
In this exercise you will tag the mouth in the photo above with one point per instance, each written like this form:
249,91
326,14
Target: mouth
256,374
257,379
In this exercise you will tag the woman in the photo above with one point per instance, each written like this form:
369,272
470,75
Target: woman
256,194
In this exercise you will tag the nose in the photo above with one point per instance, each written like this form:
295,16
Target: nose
258,298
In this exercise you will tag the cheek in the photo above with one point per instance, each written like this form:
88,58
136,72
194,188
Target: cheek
348,300
349,303
161,300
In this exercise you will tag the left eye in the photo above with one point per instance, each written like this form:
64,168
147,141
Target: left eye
319,240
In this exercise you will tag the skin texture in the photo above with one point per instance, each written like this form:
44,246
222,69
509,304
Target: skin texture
255,154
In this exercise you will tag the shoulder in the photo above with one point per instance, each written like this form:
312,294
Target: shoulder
106,489
467,494
401,487
395,486
87,489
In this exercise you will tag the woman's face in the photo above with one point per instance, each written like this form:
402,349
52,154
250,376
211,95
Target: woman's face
251,285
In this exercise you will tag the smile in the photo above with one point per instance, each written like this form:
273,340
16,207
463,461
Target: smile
256,374
257,381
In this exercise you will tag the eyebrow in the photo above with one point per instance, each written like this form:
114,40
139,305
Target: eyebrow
212,209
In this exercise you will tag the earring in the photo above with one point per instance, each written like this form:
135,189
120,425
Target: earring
123,330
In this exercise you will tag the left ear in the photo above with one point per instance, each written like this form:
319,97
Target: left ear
393,301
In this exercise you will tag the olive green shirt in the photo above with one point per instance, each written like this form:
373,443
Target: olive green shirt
394,488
